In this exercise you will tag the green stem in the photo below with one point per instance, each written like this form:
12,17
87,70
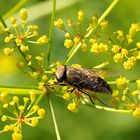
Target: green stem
102,17
54,119
50,32
19,90
15,8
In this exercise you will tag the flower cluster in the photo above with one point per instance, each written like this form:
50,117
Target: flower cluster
20,113
124,52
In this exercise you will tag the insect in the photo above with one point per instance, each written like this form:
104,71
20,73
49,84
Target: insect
83,79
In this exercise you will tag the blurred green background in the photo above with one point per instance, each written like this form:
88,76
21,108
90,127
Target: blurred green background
88,123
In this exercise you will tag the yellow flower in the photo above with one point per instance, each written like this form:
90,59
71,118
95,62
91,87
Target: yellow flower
138,45
77,39
41,112
41,85
24,48
124,52
16,136
123,98
42,40
118,57
59,23
135,92
129,39
13,20
72,107
116,49
66,96
32,95
8,51
67,35
138,84
7,39
104,25
81,15
23,14
120,35
99,48
135,27
115,93
68,43
129,63
84,47
121,81
34,121
136,112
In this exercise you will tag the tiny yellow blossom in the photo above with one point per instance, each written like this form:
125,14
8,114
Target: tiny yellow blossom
15,99
121,81
4,118
25,99
84,47
129,63
99,48
77,39
32,95
72,107
8,51
116,49
28,57
68,43
135,92
66,96
81,15
13,20
123,98
44,77
24,48
23,14
104,25
138,83
120,35
41,112
115,93
16,136
93,41
20,65
136,112
34,121
7,39
35,107
118,57
124,52
129,39
138,45
42,40
135,27
59,23
41,85
67,35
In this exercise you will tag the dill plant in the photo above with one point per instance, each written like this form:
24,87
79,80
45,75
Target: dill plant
26,110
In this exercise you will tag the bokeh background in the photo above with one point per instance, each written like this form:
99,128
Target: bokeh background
88,123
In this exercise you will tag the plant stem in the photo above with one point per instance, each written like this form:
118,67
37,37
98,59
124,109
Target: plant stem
54,119
102,17
19,90
50,32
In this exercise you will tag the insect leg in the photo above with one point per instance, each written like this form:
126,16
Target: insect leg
87,95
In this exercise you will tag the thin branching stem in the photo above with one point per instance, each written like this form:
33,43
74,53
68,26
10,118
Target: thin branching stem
51,32
54,119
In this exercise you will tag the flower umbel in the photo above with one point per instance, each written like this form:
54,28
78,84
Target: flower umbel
27,113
